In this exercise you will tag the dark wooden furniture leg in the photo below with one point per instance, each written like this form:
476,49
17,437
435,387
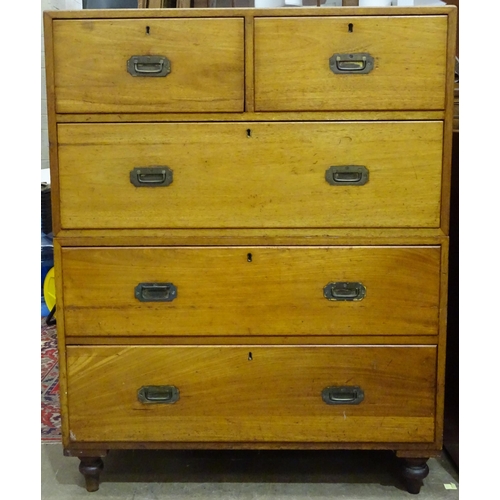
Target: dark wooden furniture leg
415,470
91,468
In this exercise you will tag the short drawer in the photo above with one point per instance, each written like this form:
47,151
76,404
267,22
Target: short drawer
109,66
404,66
252,394
250,175
238,291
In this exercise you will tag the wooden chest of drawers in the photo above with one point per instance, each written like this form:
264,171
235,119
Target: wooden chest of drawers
251,202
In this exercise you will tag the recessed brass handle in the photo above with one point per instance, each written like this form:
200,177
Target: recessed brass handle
151,176
347,175
155,292
358,63
343,395
148,66
344,290
158,394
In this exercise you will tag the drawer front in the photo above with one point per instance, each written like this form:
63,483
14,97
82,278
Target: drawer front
252,394
251,291
293,73
250,175
205,58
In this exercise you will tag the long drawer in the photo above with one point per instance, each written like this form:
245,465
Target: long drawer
243,291
252,394
250,175
148,65
350,63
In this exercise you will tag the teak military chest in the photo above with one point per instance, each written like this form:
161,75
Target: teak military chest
251,214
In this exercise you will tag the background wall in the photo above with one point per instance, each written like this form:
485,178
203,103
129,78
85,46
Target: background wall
51,5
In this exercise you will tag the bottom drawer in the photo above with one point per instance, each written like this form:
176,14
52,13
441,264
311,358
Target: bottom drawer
252,393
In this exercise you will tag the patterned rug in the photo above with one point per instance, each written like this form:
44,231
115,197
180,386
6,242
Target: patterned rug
51,417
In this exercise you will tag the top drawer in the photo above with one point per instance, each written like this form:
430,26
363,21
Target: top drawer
293,72
205,58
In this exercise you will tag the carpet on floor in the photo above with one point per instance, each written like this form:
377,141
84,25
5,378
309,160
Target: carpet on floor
51,416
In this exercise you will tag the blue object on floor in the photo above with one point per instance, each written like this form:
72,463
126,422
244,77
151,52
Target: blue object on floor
45,309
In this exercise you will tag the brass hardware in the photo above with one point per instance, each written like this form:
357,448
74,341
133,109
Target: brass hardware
344,291
343,395
158,394
360,63
148,66
155,292
151,176
347,175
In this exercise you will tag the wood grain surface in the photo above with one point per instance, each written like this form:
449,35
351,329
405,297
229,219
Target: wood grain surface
206,56
292,69
280,292
250,175
245,237
274,396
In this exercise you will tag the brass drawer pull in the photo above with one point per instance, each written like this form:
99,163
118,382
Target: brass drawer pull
343,395
151,176
148,66
343,290
360,63
158,394
155,292
348,175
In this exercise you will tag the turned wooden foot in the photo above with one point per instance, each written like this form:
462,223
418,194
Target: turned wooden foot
414,472
91,468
